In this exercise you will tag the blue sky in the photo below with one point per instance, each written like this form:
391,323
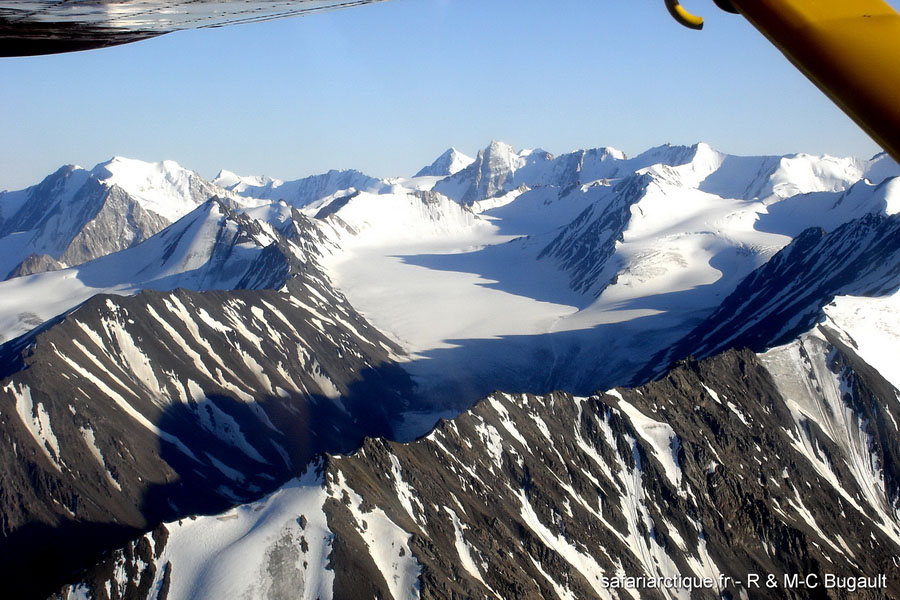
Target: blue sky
385,88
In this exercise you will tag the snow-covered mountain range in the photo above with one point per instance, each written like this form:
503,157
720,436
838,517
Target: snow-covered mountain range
75,215
174,346
585,255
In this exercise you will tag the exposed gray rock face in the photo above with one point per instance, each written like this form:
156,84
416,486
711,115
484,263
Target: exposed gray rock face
35,263
492,172
499,168
718,470
584,247
75,216
120,223
27,209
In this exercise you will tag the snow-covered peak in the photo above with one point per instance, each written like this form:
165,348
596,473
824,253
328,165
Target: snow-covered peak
165,188
603,153
60,186
227,179
880,167
450,162
685,166
609,151
667,154
211,247
804,173
502,155
244,184
499,168
705,153
599,163
770,178
390,219
492,172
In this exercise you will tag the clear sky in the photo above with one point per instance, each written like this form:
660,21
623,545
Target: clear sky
387,87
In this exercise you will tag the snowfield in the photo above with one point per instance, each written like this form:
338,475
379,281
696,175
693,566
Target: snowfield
600,274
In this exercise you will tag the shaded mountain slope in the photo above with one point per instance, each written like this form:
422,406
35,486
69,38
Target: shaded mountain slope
788,294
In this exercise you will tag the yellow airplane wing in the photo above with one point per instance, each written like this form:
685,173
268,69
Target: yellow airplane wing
849,48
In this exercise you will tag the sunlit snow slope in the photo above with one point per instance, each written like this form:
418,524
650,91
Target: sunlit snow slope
211,248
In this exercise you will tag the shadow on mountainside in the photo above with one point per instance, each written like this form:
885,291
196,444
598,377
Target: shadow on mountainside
301,427
513,268
220,468
38,558
765,307
508,268
579,362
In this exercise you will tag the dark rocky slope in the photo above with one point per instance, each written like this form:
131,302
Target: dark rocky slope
718,469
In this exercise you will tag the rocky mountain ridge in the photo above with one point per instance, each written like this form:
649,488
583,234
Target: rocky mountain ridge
779,464
789,293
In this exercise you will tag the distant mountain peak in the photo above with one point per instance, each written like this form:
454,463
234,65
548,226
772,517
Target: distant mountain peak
606,152
674,155
498,148
124,167
164,187
299,192
234,182
449,163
